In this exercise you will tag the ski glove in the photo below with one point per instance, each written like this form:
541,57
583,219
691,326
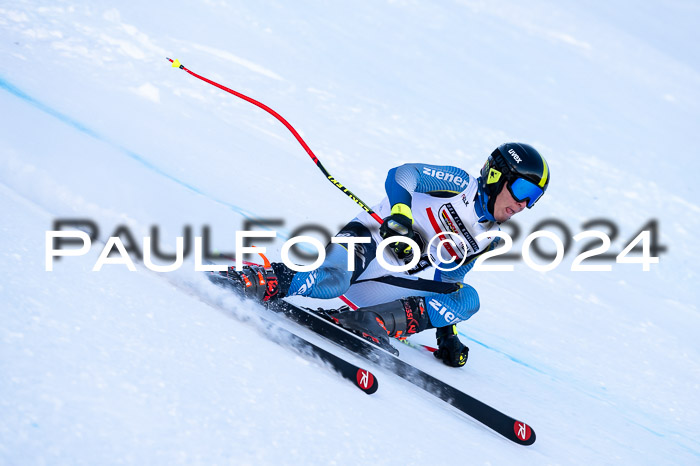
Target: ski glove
399,223
451,351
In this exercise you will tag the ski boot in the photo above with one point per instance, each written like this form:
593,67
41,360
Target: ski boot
256,282
397,319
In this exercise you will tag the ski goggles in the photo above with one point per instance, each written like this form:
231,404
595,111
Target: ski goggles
524,190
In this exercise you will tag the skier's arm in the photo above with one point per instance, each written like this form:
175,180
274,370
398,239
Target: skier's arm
403,181
400,185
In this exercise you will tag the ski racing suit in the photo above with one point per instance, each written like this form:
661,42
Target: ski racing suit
445,202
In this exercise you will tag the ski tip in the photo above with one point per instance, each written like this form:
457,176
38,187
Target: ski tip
524,434
366,381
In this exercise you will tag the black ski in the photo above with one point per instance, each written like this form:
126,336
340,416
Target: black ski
362,378
512,429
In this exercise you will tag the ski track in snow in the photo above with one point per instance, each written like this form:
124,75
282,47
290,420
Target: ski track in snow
133,155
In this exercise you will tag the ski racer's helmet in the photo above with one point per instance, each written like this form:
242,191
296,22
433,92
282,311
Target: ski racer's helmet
525,170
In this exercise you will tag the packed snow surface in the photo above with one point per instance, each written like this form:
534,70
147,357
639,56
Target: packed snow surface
162,368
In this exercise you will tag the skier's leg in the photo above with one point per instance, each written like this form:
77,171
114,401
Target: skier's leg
333,277
330,280
406,316
399,319
450,308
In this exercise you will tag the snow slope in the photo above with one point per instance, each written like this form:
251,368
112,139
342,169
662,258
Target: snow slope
127,367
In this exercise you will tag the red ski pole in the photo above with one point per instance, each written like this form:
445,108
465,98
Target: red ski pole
176,64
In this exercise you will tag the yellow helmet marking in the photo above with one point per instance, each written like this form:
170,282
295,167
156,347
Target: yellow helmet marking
494,176
545,172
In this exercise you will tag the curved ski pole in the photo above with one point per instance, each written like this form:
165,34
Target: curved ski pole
176,64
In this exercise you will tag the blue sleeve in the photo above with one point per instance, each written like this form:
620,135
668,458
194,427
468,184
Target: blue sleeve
403,181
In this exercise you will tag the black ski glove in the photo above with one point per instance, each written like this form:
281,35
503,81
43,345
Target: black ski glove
399,223
451,351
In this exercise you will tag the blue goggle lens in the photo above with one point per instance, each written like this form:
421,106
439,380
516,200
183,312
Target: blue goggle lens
522,189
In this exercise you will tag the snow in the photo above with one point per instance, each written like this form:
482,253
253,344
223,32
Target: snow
132,367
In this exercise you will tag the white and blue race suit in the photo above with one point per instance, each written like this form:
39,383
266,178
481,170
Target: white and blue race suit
446,202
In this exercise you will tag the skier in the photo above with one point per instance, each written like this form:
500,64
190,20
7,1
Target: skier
423,201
